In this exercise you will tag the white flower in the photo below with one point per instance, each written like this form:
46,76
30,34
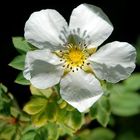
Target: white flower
67,54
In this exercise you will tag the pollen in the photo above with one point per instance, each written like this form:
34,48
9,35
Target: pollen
74,56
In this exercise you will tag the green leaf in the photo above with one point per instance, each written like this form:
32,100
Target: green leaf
24,117
102,134
28,128
95,134
137,45
41,92
61,115
21,45
14,111
43,131
35,105
51,111
47,132
8,132
2,124
62,104
101,111
21,80
93,111
73,119
128,135
125,104
69,108
133,82
3,89
18,62
65,130
76,119
5,100
118,89
53,132
57,88
39,119
31,135
17,136
4,107
138,55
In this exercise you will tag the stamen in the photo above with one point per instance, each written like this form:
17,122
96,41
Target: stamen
68,66
75,56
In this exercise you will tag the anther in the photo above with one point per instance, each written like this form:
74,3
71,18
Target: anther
72,70
77,69
88,63
68,66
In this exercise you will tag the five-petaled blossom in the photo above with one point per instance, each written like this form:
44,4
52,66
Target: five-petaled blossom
67,54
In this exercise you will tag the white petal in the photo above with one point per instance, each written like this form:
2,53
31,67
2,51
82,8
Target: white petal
42,68
80,89
114,62
91,23
46,29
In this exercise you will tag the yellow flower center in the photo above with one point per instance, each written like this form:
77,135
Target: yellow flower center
75,56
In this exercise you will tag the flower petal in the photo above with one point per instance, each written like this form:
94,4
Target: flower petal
42,68
46,29
90,23
114,62
80,89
